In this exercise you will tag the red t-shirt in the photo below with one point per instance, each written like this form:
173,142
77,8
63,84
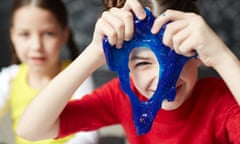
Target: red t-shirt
209,116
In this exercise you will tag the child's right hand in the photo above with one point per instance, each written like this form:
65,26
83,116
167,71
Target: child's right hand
116,24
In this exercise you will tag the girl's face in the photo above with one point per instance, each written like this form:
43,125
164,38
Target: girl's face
37,37
144,71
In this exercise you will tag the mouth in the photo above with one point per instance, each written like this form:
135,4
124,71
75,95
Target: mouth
38,60
178,86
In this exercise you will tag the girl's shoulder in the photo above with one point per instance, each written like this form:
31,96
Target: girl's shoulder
9,72
6,75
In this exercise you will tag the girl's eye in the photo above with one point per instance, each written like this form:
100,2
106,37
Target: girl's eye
23,34
49,33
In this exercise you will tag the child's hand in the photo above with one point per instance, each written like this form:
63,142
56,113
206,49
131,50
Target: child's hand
135,7
189,33
116,24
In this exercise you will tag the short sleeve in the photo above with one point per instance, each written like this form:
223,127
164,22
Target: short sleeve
233,124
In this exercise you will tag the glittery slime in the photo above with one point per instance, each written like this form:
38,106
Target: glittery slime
171,65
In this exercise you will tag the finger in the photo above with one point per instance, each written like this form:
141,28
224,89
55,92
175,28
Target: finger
170,35
127,18
187,47
180,37
118,23
171,30
169,15
136,8
115,21
106,29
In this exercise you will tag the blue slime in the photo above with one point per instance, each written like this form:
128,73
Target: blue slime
170,64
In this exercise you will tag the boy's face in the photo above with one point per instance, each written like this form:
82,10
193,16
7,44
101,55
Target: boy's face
144,71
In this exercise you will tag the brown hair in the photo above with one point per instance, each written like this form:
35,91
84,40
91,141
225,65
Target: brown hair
182,5
58,9
113,3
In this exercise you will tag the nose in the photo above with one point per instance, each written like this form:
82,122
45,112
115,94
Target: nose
155,81
36,43
156,75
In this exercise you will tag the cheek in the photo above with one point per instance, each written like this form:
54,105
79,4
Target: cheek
54,54
142,81
53,47
21,50
189,73
138,79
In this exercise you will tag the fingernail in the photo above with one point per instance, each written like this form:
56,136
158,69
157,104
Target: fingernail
142,15
119,45
153,31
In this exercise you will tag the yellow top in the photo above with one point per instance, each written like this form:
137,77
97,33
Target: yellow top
20,96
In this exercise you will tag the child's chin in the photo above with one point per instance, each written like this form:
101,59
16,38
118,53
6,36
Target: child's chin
170,105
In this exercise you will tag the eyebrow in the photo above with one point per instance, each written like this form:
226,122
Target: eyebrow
135,57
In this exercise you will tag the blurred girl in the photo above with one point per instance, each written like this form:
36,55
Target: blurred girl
39,31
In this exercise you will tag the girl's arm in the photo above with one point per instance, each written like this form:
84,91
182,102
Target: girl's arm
41,118
84,137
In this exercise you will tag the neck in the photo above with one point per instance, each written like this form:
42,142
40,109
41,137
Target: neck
39,78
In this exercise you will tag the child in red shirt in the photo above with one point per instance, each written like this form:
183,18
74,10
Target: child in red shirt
204,111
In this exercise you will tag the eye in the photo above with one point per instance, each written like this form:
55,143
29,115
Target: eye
23,34
50,33
142,63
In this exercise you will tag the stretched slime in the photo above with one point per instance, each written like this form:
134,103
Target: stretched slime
170,64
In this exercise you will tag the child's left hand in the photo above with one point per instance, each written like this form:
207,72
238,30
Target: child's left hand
189,33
